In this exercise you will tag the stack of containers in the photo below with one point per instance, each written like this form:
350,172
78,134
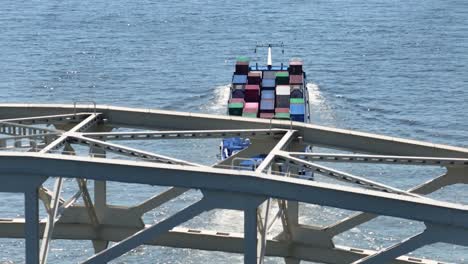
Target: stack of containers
268,84
297,109
296,79
254,77
242,65
252,93
282,113
269,75
239,79
267,104
296,91
238,91
282,101
297,82
250,110
236,106
282,78
295,66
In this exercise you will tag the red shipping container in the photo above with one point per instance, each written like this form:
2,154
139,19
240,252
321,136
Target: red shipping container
252,93
296,79
267,115
295,67
254,77
281,110
242,67
236,100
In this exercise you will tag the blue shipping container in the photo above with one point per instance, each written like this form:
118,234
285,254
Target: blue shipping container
238,93
269,75
297,109
268,84
239,79
296,93
268,94
299,118
267,105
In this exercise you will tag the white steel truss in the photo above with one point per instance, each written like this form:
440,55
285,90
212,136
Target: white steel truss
275,181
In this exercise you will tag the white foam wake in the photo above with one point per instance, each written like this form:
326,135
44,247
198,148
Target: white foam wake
218,104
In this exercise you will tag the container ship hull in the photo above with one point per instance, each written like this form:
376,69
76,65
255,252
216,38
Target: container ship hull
267,92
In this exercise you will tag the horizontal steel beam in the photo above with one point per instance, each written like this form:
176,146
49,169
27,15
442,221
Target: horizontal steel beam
126,151
19,129
209,240
343,176
401,160
185,134
48,119
313,134
206,178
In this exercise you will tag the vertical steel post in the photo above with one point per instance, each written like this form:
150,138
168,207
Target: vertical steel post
31,211
250,235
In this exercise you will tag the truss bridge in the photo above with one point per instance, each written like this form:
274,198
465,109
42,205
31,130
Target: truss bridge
45,148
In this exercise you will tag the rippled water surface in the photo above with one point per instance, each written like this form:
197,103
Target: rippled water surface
391,67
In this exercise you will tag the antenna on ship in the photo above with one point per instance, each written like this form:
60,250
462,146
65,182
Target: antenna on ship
270,46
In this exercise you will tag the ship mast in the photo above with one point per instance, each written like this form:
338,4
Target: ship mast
270,46
269,62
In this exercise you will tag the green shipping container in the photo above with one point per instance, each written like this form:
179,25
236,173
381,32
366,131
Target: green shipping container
296,100
235,108
242,59
254,115
282,115
282,78
282,74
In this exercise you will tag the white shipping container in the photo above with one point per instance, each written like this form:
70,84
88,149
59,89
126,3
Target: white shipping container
282,90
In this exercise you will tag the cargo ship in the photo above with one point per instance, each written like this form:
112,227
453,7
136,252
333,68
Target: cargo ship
268,92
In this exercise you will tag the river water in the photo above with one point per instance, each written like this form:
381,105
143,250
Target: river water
397,68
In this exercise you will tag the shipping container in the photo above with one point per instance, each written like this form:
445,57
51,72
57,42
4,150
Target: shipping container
236,108
282,78
252,93
296,79
239,79
242,59
251,107
254,77
297,109
267,115
237,100
282,90
267,105
282,101
252,115
282,116
295,66
296,86
297,101
242,68
238,94
296,93
298,118
238,86
268,84
282,110
268,94
269,75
